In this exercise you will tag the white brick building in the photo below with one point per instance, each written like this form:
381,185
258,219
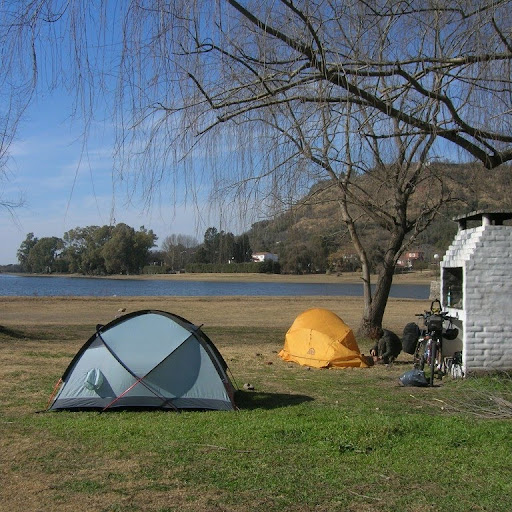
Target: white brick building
264,256
476,288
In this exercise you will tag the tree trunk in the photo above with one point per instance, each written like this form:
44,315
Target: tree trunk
366,324
374,309
371,322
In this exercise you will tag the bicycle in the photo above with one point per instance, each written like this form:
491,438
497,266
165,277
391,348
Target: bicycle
429,348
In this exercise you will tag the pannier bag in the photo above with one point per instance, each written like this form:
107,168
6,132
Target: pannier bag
410,338
435,323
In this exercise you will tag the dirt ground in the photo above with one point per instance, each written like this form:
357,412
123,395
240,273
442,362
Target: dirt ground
278,312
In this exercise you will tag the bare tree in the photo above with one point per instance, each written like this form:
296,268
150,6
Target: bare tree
178,249
17,83
261,99
383,175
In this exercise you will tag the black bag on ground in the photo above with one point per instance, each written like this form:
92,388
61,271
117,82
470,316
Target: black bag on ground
410,338
414,378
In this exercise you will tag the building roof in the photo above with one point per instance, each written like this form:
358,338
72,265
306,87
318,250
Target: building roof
496,215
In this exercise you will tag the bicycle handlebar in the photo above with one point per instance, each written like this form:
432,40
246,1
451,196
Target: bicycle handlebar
444,314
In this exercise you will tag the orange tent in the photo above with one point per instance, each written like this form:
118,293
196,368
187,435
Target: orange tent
319,338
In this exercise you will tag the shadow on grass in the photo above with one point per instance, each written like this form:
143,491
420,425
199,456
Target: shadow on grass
403,363
248,400
12,333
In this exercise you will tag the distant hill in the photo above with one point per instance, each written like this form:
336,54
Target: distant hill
307,236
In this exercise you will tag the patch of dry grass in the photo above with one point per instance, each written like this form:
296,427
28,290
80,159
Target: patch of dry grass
276,312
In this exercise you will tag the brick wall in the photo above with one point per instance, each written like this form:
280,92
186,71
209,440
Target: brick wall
485,255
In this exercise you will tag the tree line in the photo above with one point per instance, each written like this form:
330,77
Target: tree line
92,250
310,238
218,252
120,249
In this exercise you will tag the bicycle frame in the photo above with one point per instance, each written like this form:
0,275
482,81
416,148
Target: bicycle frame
429,350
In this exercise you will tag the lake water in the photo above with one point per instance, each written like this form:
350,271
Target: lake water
12,285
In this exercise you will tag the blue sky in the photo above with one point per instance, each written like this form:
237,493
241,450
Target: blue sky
63,188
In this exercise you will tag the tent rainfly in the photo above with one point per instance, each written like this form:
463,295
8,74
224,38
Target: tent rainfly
146,359
320,339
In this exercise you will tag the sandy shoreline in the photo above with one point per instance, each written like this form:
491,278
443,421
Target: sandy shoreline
349,277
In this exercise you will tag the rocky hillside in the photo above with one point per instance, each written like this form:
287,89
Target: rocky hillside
309,234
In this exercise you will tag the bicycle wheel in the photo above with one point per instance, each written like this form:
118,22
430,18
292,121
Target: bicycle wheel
419,354
433,354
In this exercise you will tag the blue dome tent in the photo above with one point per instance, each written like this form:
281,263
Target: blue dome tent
146,359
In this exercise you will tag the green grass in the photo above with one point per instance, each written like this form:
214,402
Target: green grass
296,455
304,440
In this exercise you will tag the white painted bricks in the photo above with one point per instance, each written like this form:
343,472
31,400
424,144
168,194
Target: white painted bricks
485,255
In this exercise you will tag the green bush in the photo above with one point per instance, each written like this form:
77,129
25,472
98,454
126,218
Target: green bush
156,269
267,267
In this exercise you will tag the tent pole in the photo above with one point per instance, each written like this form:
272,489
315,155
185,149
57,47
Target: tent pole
139,379
54,392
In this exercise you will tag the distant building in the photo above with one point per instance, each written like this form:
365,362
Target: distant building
260,257
408,258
